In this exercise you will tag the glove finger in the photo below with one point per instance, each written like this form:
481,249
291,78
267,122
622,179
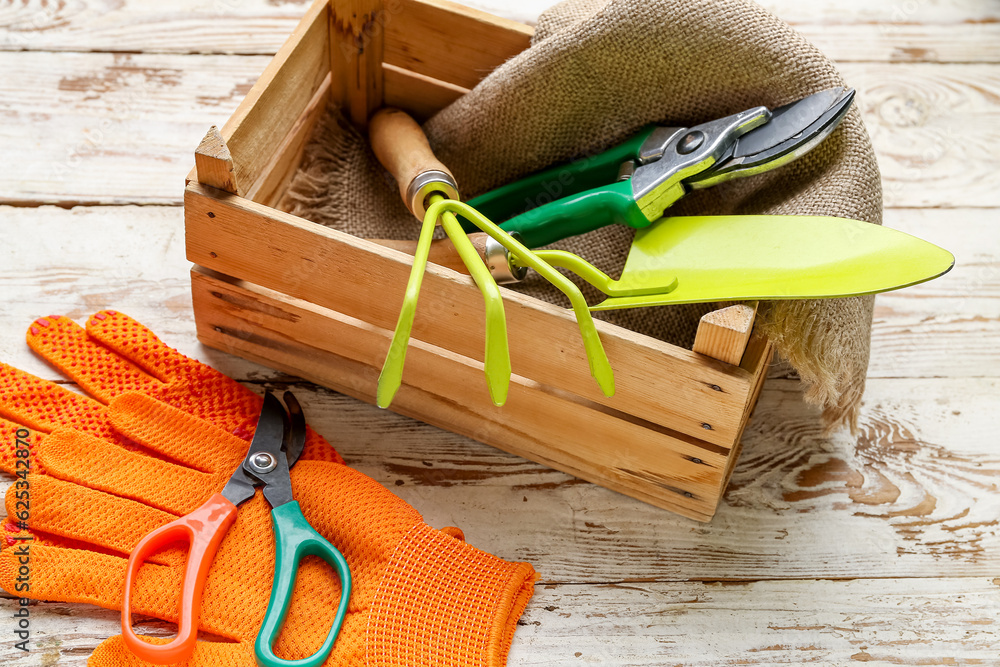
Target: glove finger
54,573
113,652
189,385
101,372
176,434
232,407
42,405
18,450
73,512
116,354
90,462
47,572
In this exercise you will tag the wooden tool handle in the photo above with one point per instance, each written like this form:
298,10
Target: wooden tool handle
400,145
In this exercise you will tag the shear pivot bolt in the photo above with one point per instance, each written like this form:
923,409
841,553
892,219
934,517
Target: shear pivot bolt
690,142
263,462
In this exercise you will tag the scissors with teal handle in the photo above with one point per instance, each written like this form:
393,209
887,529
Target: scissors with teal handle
277,444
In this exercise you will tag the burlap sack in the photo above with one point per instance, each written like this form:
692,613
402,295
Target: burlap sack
597,71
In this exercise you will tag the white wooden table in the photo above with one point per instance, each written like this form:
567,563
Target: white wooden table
882,547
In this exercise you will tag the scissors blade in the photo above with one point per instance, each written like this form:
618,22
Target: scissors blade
793,130
295,437
267,437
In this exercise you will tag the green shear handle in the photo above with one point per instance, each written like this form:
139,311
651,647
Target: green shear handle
634,182
294,540
567,199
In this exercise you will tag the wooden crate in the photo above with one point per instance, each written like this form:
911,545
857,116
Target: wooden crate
297,296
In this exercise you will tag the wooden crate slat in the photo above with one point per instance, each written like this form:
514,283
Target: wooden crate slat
450,42
345,353
356,37
256,131
419,95
276,176
661,383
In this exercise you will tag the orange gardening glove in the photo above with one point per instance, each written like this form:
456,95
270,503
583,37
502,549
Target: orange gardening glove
420,596
117,354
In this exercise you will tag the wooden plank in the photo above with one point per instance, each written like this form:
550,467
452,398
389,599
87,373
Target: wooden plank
947,620
250,242
913,495
142,115
949,327
933,128
77,261
934,621
723,334
55,262
270,109
356,35
277,175
477,42
537,422
419,95
958,31
112,129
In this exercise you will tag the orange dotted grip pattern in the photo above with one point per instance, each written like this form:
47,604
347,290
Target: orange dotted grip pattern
421,596
204,528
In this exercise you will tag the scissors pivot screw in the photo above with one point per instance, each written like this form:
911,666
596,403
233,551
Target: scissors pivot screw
691,142
263,462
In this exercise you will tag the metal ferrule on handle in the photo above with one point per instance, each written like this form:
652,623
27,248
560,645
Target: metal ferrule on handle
294,540
401,146
424,185
204,529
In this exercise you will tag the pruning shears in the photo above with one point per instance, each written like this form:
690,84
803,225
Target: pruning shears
634,182
276,446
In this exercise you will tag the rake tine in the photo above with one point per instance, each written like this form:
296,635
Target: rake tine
496,363
391,376
600,367
496,360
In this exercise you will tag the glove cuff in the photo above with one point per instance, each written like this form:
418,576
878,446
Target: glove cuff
443,602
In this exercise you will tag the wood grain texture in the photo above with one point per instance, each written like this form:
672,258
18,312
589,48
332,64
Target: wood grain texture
420,96
476,41
544,423
142,114
723,334
957,31
964,305
878,548
279,97
357,31
937,621
247,241
933,128
117,128
913,495
213,163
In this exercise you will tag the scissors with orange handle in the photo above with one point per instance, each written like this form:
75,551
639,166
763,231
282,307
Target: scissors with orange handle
276,446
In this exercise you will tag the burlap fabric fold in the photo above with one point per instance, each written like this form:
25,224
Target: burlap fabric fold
597,71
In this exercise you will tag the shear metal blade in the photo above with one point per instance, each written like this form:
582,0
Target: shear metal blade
267,436
787,122
295,437
794,130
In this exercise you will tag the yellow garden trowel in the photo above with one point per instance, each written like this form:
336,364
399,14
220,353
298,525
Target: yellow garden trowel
720,258
766,257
